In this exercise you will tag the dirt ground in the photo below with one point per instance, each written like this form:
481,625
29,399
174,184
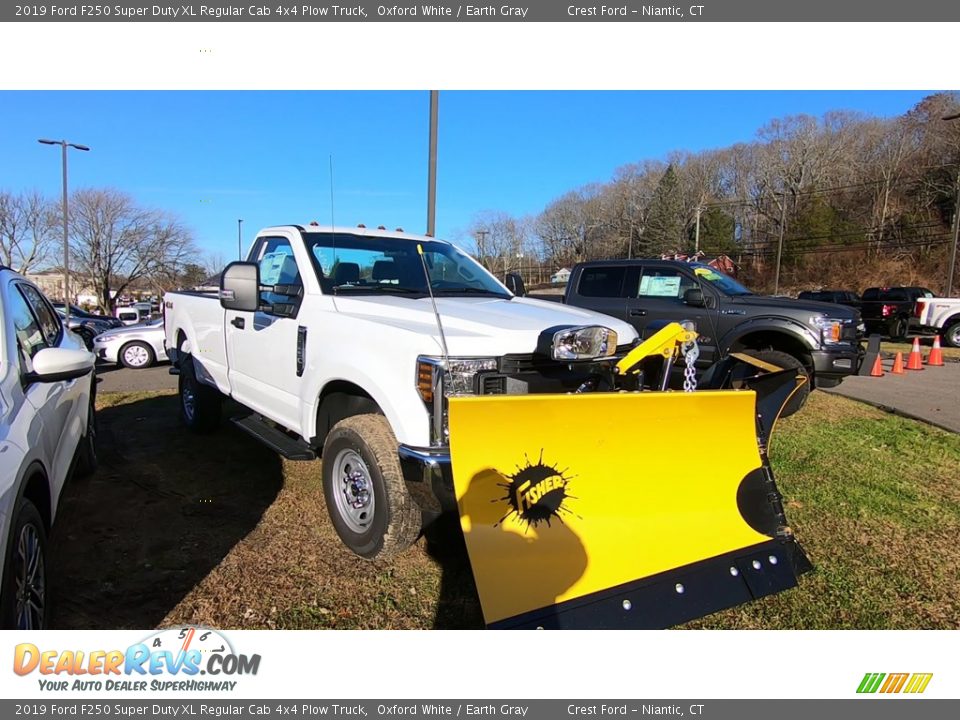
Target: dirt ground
217,530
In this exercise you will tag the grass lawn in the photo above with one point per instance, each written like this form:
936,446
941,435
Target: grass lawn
216,530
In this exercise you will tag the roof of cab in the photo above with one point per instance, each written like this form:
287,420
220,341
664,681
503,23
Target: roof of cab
364,231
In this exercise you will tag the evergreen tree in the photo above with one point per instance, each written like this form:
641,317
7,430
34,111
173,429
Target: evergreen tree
665,225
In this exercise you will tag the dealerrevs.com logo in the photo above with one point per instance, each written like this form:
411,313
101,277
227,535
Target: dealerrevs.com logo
180,659
888,683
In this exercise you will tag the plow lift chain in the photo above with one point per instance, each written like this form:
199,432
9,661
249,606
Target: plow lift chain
691,351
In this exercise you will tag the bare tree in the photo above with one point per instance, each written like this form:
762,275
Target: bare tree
118,244
27,230
501,240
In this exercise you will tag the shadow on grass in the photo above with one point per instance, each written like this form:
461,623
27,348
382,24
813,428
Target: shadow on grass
458,607
160,513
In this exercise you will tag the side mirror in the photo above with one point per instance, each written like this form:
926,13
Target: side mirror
515,285
694,298
57,364
240,287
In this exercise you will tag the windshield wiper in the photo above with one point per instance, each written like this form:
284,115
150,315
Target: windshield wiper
469,291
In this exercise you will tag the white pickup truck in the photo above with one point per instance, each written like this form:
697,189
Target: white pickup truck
332,340
939,315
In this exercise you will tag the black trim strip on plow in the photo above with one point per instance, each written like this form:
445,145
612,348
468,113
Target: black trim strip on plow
678,595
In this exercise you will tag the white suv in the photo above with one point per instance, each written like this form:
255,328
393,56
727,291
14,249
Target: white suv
47,430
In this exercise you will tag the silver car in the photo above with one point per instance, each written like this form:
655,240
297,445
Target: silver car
134,346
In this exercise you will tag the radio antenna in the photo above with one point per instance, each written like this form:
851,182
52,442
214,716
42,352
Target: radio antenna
436,313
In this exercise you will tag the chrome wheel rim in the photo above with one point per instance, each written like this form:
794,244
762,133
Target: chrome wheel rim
188,399
953,335
30,579
136,356
353,491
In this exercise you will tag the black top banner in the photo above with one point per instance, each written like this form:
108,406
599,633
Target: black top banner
552,11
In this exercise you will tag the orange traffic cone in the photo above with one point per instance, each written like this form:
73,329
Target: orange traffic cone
915,361
898,365
935,357
877,370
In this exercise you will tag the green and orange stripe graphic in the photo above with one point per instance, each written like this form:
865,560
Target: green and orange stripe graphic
894,682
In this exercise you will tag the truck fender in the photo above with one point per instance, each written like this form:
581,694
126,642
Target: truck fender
782,326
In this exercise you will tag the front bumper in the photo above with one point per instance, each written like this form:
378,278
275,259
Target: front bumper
831,366
105,353
429,479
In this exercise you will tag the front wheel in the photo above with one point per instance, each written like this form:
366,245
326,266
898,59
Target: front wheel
87,450
367,498
137,355
200,404
24,603
788,362
951,335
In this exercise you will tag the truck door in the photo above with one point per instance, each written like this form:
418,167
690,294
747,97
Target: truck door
658,292
262,346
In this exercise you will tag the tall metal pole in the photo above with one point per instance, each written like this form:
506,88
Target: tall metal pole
951,263
239,240
696,234
66,238
432,169
783,219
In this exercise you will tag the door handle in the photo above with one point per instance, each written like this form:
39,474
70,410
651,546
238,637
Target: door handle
637,313
238,323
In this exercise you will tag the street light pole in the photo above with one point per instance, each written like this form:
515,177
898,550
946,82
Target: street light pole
66,237
432,165
239,240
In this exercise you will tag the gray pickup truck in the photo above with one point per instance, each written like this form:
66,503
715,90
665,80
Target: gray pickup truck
821,339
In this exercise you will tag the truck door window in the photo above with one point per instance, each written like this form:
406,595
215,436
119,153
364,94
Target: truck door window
278,269
603,281
664,284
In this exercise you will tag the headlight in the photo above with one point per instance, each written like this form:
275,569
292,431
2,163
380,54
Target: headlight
584,343
458,378
831,329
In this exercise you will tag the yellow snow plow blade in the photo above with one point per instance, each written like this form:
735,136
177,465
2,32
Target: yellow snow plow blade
616,509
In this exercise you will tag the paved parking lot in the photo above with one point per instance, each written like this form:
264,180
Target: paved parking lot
931,395
114,378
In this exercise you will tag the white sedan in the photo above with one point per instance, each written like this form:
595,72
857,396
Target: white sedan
134,346
47,431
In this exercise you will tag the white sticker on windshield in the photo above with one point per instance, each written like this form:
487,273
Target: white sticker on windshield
660,286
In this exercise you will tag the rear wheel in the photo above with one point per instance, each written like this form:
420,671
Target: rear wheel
898,329
200,404
24,603
951,334
787,362
137,355
367,498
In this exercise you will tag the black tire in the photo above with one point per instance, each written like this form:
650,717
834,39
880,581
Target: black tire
200,404
138,360
785,361
384,520
898,329
28,534
951,334
87,449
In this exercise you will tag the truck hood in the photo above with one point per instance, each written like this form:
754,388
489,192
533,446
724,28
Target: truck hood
802,307
478,326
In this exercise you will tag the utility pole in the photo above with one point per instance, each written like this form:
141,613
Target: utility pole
481,242
239,240
783,220
696,233
66,238
432,165
951,263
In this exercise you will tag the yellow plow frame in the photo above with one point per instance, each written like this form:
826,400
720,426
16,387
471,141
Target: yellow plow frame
620,509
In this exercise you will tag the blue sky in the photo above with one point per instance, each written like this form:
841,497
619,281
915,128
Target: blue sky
213,157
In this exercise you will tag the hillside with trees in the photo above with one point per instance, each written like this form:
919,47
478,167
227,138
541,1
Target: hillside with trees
850,200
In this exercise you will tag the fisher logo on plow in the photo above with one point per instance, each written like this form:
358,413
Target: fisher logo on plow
537,493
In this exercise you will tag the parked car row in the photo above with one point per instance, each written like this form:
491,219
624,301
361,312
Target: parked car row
890,311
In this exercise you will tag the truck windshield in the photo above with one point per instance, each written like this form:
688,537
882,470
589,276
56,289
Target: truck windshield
361,265
723,283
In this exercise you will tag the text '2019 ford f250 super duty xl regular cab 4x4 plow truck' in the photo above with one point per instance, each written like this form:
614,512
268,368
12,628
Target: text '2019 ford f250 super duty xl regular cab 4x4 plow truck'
425,386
